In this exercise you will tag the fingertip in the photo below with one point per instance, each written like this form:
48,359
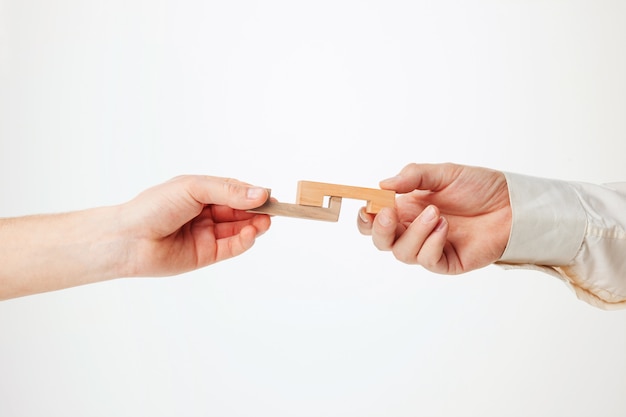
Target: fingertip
388,183
429,214
365,217
247,237
442,224
383,229
256,194
248,198
364,222
384,218
432,255
262,223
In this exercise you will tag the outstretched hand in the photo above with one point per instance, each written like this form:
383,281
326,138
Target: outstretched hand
450,218
183,224
190,222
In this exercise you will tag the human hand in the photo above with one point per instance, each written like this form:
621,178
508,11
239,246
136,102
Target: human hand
450,218
190,222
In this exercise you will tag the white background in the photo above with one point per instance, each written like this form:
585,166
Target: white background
99,100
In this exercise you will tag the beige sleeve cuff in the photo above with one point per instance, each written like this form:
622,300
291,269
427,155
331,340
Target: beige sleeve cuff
548,223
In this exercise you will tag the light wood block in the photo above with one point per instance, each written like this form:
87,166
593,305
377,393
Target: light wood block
312,193
274,208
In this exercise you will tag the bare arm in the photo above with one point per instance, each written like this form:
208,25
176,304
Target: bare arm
181,225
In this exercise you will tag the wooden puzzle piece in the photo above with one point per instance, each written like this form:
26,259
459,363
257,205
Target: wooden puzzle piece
329,214
310,200
312,194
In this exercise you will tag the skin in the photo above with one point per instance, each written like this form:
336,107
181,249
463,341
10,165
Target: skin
184,224
449,218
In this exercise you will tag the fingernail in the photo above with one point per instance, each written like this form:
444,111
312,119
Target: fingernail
442,223
255,193
428,215
364,218
384,219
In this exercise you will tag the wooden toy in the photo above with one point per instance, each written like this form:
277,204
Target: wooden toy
310,201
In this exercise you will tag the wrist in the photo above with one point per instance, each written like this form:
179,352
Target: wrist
117,242
98,236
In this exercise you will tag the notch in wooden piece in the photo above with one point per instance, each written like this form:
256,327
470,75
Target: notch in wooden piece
312,193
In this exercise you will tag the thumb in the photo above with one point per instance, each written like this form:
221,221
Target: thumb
428,177
226,192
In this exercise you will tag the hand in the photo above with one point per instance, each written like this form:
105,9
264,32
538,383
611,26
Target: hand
190,222
450,218
183,224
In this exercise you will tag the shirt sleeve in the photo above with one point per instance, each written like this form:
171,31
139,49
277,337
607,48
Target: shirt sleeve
575,231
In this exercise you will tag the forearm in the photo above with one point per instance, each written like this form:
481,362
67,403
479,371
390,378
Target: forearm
50,252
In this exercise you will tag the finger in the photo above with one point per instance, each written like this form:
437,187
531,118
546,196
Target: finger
432,177
385,229
228,214
364,222
224,191
225,213
212,215
408,246
235,245
432,255
260,223
224,240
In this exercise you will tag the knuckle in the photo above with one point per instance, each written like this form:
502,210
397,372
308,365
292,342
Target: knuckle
180,178
231,186
410,167
228,180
